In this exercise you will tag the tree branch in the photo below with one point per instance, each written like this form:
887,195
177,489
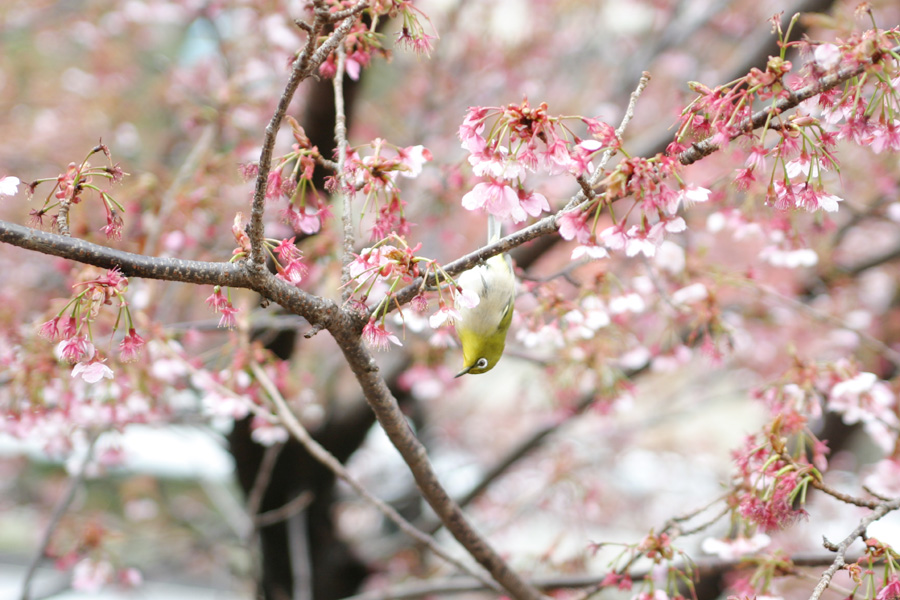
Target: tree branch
284,512
316,310
131,265
261,483
75,482
758,119
309,59
549,225
413,452
323,456
840,560
340,138
703,568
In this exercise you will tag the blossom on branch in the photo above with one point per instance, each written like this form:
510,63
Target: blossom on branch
379,338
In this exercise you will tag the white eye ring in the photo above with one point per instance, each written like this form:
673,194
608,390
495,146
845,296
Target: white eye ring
481,363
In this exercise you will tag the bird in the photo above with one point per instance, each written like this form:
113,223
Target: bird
482,328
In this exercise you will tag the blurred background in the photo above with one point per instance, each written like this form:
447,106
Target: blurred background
181,92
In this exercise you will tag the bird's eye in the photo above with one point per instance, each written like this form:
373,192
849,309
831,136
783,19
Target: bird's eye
481,363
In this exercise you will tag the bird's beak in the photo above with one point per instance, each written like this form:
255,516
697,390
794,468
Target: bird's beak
463,372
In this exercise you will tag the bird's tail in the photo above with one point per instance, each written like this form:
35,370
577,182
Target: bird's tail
494,234
494,229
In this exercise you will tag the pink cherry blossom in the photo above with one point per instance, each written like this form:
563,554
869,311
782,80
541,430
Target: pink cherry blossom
293,272
131,346
573,225
75,349
827,56
496,198
688,196
379,338
91,575
731,549
533,202
92,372
471,129
445,313
413,158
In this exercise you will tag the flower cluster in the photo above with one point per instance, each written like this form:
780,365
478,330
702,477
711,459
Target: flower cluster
384,267
69,189
673,572
377,272
93,563
375,176
364,42
658,205
773,475
220,304
71,327
412,35
287,257
361,44
291,178
768,486
776,466
523,139
860,397
791,167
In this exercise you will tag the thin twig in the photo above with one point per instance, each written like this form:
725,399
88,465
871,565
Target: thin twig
826,489
326,458
840,590
298,531
840,560
620,130
262,480
875,261
588,185
874,343
282,513
340,138
309,59
708,567
59,510
154,224
758,119
845,498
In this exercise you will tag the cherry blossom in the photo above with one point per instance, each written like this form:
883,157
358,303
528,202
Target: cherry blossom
92,372
9,186
378,337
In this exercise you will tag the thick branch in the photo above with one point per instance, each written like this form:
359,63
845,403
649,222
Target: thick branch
398,431
316,310
131,265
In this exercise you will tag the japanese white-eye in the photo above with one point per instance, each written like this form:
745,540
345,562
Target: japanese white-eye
482,328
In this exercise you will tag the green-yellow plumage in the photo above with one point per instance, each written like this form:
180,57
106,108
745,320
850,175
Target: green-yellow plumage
482,328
